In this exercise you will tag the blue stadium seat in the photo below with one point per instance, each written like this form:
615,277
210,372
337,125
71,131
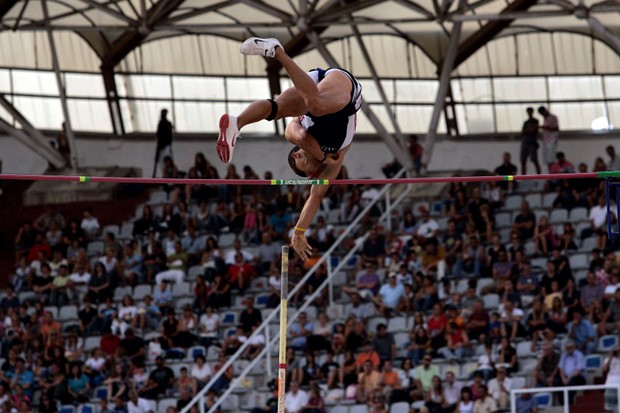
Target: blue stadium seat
261,300
229,318
544,400
594,362
86,408
607,343
67,409
101,392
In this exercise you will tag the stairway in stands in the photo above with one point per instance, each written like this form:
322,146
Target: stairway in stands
12,213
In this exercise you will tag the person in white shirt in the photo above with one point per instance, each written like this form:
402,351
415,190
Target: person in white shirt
79,282
137,404
452,390
126,316
255,344
499,388
208,327
598,223
230,254
90,224
201,371
296,399
429,227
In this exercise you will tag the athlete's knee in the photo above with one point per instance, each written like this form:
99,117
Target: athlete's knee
274,110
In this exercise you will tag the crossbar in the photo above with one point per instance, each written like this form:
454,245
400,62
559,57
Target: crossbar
375,181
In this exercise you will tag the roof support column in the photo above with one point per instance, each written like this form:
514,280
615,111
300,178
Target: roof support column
111,96
375,78
61,87
442,92
401,154
603,33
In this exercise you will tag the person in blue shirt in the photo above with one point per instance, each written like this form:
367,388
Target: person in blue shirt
527,404
571,369
78,385
389,296
582,332
21,376
300,332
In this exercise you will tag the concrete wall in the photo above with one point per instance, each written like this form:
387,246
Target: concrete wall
364,160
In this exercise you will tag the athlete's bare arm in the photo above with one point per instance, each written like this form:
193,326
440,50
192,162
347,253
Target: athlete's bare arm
312,205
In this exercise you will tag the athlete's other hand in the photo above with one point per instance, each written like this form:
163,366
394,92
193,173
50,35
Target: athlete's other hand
301,246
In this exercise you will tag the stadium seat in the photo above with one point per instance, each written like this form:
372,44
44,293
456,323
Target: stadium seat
607,343
401,340
95,248
260,301
230,403
578,214
400,407
594,362
126,230
544,400
259,283
540,213
120,292
338,409
462,285
176,368
588,244
194,272
101,392
534,200
141,291
66,409
91,343
397,324
181,289
112,228
226,240
374,322
482,283
358,408
333,216
578,261
513,202
518,382
525,187
558,216
491,301
503,219
228,318
163,404
53,310
547,200
524,349
530,248
158,197
68,312
194,352
466,370
87,408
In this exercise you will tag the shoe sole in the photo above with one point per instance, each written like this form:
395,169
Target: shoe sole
222,147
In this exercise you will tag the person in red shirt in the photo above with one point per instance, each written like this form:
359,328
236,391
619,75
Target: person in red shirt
109,343
40,245
436,324
240,273
478,322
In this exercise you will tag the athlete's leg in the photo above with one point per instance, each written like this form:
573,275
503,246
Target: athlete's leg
290,103
331,95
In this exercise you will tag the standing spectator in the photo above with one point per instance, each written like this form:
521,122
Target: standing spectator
529,144
571,369
611,368
505,169
164,139
614,161
550,134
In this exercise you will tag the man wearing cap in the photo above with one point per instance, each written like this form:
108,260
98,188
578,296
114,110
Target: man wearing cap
389,296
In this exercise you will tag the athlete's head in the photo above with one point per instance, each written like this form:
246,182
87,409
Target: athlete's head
303,164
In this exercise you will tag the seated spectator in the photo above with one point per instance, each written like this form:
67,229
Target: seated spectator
610,322
255,343
571,369
367,354
424,374
240,274
268,253
546,370
435,400
434,259
419,344
99,284
511,317
561,166
271,405
525,222
320,339
310,373
78,285
300,331
478,322
78,385
184,399
131,267
296,399
457,343
219,293
90,224
499,388
389,296
201,370
367,284
177,266
160,382
484,403
127,316
426,297
43,285
472,259
544,238
59,295
368,380
527,283
137,404
373,250
582,332
598,223
329,371
591,292
383,344
133,347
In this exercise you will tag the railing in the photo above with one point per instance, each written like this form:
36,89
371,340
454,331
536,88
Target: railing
564,390
326,258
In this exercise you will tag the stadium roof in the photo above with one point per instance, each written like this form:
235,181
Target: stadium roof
374,38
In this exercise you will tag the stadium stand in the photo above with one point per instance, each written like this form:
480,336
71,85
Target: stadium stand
480,289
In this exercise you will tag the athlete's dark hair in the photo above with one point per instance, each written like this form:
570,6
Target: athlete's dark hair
291,162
